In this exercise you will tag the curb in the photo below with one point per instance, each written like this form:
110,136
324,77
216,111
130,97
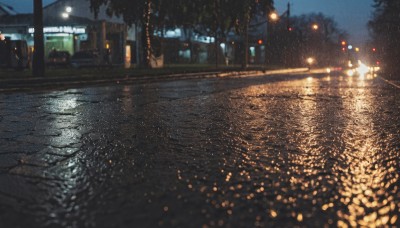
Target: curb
391,82
12,85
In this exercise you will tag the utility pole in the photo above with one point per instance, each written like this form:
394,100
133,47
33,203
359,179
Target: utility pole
246,46
38,52
216,43
288,17
245,59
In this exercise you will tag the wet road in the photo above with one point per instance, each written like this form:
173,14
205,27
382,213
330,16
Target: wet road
244,152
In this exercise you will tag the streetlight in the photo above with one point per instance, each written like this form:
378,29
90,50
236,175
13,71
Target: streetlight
67,12
315,27
68,9
65,15
38,67
273,16
310,61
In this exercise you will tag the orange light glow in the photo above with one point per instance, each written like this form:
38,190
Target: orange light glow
274,16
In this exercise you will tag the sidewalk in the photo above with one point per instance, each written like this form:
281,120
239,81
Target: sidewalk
11,80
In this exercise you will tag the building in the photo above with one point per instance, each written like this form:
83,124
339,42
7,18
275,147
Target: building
69,25
6,10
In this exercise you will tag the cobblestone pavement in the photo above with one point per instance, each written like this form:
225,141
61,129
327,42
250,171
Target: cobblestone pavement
242,152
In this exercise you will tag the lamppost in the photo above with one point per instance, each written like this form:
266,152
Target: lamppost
320,48
67,12
271,19
274,16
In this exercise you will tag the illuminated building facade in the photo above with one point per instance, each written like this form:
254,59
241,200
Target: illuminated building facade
69,25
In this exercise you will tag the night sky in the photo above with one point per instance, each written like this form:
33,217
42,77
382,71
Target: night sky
351,15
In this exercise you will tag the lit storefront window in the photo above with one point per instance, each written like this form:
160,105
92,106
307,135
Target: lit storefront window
61,29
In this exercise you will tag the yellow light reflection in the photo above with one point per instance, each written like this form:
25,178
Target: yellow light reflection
274,16
365,186
362,69
310,60
350,73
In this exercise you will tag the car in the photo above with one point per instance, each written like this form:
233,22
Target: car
88,58
59,58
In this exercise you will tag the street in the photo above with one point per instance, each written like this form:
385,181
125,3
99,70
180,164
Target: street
264,151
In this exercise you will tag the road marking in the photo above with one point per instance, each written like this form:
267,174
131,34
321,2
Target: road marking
391,83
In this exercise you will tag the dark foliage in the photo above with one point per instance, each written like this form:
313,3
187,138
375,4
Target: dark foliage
216,17
385,30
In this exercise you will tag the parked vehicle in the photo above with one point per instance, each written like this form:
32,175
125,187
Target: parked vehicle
14,54
88,58
59,58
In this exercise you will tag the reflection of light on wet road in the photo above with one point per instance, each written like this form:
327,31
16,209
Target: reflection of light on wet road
246,152
365,189
363,69
362,72
57,104
327,157
63,108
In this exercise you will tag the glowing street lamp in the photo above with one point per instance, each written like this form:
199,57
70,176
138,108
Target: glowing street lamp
310,61
315,27
67,12
65,15
68,9
274,16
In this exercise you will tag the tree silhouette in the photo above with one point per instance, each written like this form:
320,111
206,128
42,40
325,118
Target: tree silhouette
216,16
385,31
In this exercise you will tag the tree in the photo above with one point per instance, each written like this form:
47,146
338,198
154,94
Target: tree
180,13
217,16
385,31
293,47
138,11
38,65
244,12
322,42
